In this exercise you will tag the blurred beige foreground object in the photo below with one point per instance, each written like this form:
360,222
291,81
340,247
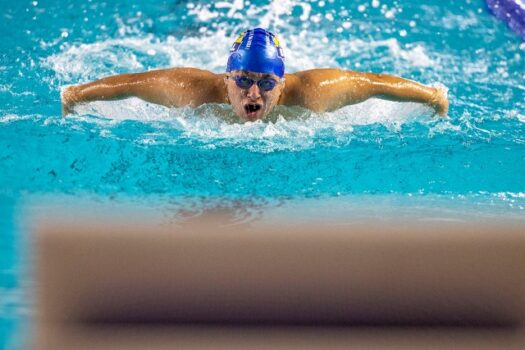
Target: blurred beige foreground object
206,285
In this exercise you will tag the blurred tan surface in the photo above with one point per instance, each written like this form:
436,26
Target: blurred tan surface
386,285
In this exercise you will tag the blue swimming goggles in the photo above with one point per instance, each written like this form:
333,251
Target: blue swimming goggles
244,82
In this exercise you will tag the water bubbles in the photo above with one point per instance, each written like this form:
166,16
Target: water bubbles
306,9
205,14
390,14
502,71
375,3
315,18
361,8
402,33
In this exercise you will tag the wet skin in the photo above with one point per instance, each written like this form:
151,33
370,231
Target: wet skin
253,103
319,90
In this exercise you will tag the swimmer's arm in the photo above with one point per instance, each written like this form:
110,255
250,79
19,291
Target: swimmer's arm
394,88
168,87
330,89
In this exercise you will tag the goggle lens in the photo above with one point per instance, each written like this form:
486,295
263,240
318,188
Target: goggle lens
265,84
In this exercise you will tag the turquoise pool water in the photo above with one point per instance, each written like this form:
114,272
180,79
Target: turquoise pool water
375,155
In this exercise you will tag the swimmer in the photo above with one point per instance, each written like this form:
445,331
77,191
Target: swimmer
254,83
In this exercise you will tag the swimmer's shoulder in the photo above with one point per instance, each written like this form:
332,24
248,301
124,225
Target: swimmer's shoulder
190,73
319,74
204,85
301,88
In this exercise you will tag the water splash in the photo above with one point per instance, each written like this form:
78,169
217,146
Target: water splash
286,128
83,62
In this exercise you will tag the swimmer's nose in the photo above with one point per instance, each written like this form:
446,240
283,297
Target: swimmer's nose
254,92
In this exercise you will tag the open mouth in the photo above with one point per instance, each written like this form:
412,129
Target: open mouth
252,108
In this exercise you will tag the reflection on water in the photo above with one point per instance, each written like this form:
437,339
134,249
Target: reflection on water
245,212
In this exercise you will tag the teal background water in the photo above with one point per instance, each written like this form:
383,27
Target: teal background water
376,150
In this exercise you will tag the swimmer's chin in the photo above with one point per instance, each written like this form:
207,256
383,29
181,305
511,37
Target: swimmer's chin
251,118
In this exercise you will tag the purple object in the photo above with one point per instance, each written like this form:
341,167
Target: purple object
510,11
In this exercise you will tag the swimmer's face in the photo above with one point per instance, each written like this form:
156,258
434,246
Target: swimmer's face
254,102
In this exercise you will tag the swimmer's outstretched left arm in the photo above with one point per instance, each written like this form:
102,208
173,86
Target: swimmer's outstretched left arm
330,89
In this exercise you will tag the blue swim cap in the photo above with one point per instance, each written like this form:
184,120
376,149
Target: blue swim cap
257,50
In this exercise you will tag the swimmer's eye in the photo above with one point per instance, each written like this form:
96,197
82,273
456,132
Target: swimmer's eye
243,81
265,84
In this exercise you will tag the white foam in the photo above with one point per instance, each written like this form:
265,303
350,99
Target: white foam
286,128
88,61
83,62
8,118
515,114
461,22
129,109
8,88
299,56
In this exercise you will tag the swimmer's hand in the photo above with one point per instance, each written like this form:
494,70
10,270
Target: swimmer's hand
68,100
439,101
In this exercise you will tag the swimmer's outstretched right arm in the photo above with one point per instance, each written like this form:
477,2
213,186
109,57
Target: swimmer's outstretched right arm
173,87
